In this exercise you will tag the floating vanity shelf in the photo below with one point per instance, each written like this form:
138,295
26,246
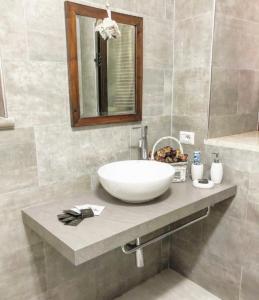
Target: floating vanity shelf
120,222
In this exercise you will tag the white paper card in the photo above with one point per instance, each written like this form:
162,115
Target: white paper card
97,209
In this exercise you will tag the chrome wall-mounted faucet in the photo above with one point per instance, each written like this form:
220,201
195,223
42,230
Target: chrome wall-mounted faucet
143,145
140,144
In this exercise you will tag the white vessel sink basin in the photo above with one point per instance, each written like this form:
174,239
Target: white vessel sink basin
136,181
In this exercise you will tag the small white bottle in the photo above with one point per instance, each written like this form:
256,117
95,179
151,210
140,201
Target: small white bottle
197,166
216,171
197,171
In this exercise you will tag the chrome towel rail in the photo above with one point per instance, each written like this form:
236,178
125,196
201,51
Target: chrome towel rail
129,249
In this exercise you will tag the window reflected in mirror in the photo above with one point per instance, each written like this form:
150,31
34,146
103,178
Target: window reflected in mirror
106,70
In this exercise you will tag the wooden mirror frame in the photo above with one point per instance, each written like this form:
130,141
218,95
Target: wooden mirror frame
71,11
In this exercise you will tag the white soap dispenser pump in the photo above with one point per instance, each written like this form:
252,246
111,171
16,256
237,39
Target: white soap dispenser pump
216,171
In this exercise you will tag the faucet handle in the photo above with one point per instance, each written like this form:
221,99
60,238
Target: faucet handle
144,131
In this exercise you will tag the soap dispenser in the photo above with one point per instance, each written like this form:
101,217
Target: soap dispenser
216,171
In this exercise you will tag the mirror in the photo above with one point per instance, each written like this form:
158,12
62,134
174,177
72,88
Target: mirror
105,76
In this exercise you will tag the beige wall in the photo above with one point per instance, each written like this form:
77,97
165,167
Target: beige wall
235,77
44,159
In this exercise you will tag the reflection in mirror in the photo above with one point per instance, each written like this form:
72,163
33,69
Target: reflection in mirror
106,70
105,76
121,72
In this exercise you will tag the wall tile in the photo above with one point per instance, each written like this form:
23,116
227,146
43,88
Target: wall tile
170,9
168,83
127,5
58,161
250,283
247,10
206,270
196,123
18,160
192,8
151,8
45,16
247,98
224,125
26,274
153,82
158,54
193,43
37,92
13,25
46,46
191,91
226,49
224,92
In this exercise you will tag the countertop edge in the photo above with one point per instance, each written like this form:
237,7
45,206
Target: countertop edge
84,254
152,225
49,238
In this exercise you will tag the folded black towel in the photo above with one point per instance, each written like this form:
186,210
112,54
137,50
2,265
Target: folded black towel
73,218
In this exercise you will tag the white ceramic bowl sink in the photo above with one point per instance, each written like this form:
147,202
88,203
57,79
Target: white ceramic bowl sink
136,181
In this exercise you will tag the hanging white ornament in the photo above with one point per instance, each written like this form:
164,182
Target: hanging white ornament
107,27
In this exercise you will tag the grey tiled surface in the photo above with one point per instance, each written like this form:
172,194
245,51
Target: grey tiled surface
168,285
221,253
192,68
43,158
120,222
37,95
234,87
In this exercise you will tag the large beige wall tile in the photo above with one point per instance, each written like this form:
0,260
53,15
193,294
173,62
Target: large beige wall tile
250,283
151,9
191,91
74,153
169,5
243,9
192,8
37,92
45,16
224,92
193,42
46,46
224,125
158,43
190,260
13,25
226,44
18,166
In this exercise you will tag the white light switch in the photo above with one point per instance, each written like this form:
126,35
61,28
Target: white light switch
187,137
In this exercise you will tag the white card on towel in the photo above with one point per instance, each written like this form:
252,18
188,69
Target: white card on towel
97,209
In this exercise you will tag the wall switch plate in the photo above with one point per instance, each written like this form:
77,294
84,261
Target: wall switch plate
187,137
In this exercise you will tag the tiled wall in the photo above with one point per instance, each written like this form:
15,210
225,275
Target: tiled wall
221,253
235,77
44,159
192,68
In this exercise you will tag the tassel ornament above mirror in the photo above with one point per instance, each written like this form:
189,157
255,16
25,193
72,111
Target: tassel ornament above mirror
107,27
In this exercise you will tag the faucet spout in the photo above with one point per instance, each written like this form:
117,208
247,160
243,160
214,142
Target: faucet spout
143,145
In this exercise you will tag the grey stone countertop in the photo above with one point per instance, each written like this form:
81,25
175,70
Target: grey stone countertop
120,222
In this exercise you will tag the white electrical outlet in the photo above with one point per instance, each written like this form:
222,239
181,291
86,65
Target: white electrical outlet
187,137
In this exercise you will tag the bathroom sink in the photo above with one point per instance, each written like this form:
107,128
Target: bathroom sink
136,181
